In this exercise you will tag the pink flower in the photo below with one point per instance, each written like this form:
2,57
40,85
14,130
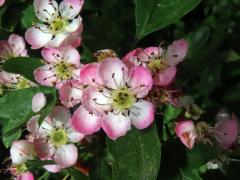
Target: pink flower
2,2
25,176
161,63
59,23
62,65
13,47
185,130
38,102
115,100
226,130
54,138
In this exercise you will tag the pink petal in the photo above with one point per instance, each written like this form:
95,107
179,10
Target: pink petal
45,75
70,8
8,78
185,130
165,77
51,55
43,150
4,50
26,176
2,2
176,52
150,53
113,72
52,168
116,125
17,45
66,155
85,122
142,114
71,55
71,93
89,75
60,115
140,81
94,100
38,36
74,39
226,131
21,151
38,102
46,10
131,59
32,124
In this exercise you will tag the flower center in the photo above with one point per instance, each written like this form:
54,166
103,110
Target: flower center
23,83
58,137
157,65
123,99
64,70
58,25
20,168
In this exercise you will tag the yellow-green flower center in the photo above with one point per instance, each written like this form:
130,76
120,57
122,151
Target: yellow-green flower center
64,70
58,25
123,99
23,83
20,168
157,65
58,137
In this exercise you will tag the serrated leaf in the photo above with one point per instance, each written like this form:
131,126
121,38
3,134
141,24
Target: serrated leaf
23,65
154,15
136,155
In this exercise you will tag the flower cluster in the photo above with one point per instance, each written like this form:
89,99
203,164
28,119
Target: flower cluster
113,94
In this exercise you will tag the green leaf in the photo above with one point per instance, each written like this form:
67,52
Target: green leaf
33,164
136,156
77,175
189,175
8,139
29,17
23,65
154,15
16,107
170,113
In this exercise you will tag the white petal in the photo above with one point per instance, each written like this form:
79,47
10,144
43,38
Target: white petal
57,40
74,25
74,136
60,116
38,102
70,8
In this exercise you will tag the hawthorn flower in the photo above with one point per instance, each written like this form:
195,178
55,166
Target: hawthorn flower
185,130
162,63
59,22
54,138
226,129
115,101
61,66
38,102
21,151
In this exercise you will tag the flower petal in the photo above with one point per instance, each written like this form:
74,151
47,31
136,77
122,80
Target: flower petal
51,55
85,122
52,168
113,72
25,176
89,75
71,55
116,125
66,155
57,40
131,59
226,131
71,93
8,78
60,116
21,151
43,150
70,8
165,77
46,10
74,136
176,52
150,53
142,114
140,81
17,45
185,130
38,102
45,75
38,36
74,25
2,2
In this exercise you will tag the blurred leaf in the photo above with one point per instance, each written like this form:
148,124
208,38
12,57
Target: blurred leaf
28,17
8,139
170,113
232,93
77,175
189,175
136,155
32,164
16,107
154,15
23,65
